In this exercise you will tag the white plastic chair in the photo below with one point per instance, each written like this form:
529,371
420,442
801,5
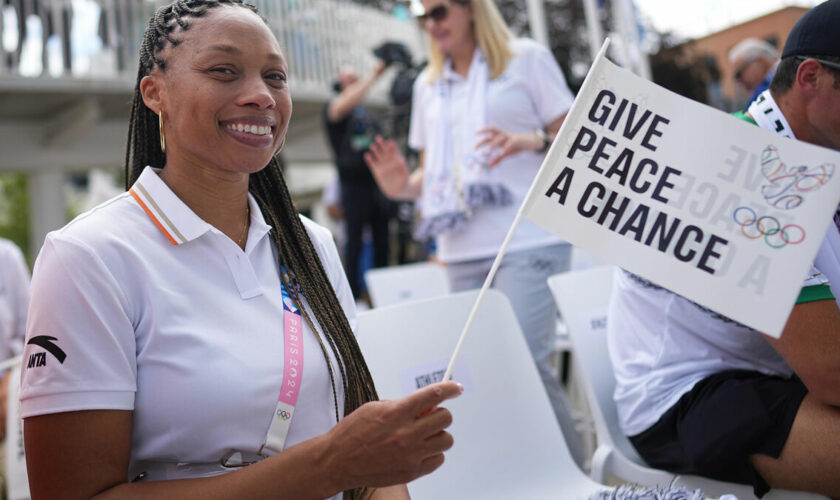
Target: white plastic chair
507,441
583,298
392,285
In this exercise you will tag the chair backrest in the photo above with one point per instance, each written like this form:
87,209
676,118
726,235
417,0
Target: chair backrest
396,284
581,259
507,441
583,298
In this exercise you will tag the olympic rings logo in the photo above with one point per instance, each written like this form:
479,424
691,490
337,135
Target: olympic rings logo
768,227
284,415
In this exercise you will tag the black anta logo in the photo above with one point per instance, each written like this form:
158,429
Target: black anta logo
40,358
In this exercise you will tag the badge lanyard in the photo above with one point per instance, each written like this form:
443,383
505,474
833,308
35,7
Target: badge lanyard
281,420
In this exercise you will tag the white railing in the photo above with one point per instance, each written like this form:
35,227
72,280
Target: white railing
319,36
61,39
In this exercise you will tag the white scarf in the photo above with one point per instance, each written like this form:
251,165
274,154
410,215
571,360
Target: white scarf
768,116
455,174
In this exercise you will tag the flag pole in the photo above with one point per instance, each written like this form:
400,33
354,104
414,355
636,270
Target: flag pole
511,231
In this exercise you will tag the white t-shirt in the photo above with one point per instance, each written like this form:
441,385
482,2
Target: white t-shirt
14,299
158,312
528,95
661,344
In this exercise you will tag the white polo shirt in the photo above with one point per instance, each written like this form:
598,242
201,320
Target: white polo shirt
528,95
14,299
156,311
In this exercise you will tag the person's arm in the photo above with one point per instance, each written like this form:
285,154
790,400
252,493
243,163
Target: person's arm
550,96
503,144
85,454
17,282
353,94
391,173
810,343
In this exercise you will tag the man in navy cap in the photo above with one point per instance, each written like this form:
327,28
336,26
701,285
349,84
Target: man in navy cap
699,393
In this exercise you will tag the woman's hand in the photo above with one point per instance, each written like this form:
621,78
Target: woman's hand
388,167
501,143
390,442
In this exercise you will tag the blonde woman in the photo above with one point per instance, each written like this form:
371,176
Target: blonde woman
484,112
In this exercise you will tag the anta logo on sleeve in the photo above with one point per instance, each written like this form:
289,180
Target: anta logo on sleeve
40,358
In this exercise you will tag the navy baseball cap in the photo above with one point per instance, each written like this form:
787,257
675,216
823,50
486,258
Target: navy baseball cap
817,33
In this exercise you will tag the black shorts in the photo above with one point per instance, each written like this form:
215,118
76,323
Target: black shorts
714,428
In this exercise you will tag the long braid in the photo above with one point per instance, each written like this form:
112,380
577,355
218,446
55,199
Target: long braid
305,274
299,254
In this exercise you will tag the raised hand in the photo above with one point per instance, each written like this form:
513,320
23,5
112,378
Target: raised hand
388,166
391,442
501,143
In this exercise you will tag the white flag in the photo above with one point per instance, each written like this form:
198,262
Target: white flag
714,208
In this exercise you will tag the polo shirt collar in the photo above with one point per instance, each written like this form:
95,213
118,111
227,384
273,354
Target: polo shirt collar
175,220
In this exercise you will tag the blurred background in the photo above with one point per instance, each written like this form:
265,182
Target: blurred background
67,71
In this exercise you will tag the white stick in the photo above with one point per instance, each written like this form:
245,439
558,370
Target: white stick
509,236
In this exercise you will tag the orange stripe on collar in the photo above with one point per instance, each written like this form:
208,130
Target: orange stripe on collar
152,216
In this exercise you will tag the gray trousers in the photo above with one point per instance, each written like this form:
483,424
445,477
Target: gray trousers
522,278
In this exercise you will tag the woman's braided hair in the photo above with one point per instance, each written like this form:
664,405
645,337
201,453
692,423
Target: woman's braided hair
304,274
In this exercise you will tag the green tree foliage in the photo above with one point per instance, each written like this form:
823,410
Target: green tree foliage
14,209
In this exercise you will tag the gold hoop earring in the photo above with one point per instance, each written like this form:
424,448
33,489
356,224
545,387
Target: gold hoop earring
162,137
282,145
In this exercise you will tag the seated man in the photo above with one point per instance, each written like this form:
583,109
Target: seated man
699,393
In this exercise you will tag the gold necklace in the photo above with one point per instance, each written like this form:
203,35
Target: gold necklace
245,226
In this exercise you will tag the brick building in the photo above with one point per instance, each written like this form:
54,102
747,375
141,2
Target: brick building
711,52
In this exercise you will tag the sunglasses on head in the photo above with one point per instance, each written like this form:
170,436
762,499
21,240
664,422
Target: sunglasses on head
437,13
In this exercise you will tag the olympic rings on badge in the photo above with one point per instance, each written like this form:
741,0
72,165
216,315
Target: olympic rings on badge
284,415
775,235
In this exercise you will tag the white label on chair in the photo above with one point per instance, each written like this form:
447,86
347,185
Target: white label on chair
420,376
595,318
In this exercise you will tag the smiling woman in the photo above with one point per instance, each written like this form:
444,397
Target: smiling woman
206,328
